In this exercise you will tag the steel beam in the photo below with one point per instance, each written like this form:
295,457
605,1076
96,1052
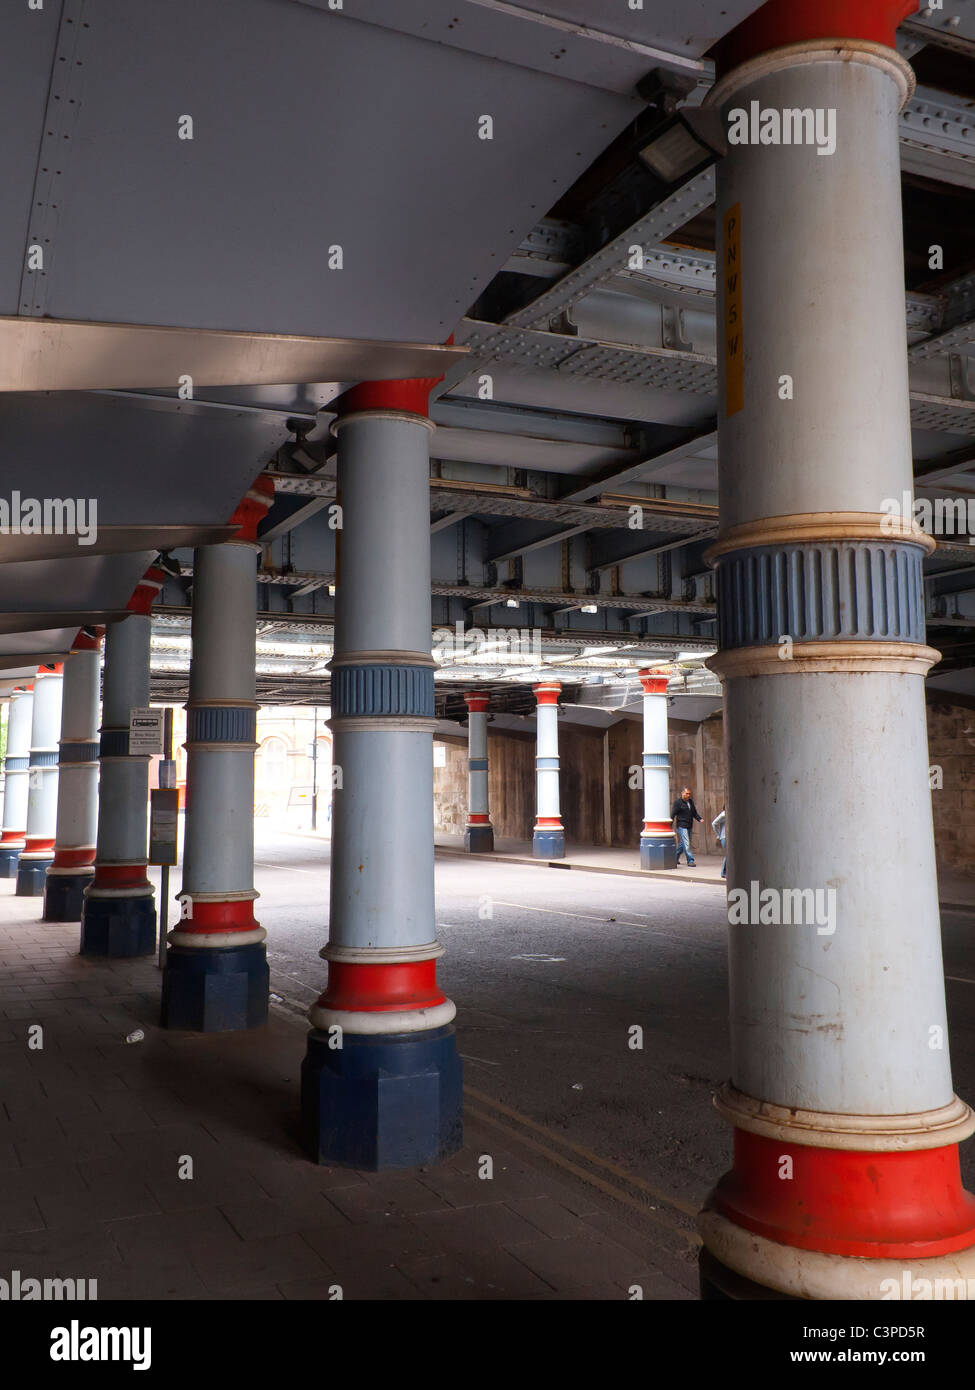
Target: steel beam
651,550
540,543
41,354
661,221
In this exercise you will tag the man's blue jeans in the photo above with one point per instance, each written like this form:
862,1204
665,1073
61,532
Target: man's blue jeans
684,844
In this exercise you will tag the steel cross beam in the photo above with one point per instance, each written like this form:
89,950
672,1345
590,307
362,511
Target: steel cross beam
539,543
695,443
646,554
636,602
660,222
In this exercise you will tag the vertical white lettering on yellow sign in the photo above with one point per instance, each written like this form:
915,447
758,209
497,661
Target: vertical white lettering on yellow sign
734,347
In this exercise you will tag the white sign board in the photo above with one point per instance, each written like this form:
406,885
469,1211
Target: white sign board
146,731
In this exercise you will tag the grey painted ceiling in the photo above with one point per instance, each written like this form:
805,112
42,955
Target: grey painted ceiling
682,26
316,126
310,130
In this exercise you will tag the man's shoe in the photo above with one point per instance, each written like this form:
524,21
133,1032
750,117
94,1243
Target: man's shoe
692,863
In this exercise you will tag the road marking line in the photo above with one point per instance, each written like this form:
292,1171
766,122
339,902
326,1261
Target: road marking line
582,917
285,868
690,1237
288,975
583,1152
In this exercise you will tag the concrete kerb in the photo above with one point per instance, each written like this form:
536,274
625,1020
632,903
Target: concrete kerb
669,875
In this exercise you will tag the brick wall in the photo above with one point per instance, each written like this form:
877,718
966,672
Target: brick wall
697,759
951,744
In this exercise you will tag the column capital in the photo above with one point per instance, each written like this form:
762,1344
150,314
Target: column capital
253,508
477,700
410,395
547,692
654,680
52,669
147,591
87,642
782,22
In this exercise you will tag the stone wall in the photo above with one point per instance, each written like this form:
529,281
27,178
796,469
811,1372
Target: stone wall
951,744
697,759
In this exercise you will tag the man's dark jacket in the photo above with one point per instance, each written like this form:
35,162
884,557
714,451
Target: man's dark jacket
684,813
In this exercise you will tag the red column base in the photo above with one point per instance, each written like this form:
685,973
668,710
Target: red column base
875,1205
120,878
208,918
38,844
357,988
73,858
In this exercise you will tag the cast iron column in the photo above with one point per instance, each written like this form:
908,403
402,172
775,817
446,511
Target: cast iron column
42,796
77,818
381,1082
119,915
216,976
16,779
479,835
657,847
548,839
846,1167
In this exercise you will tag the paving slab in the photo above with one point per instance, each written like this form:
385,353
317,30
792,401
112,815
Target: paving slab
170,1168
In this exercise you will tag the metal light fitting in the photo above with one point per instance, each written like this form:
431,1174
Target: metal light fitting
685,145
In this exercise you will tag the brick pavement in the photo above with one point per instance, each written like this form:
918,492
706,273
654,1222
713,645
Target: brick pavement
94,1130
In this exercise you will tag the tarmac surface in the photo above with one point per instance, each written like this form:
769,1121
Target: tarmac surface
592,1020
551,968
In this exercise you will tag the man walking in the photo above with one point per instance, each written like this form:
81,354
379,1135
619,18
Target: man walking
683,815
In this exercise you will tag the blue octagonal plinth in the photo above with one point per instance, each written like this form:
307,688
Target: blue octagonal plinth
548,844
8,862
30,876
64,897
215,989
658,853
378,1102
118,926
479,839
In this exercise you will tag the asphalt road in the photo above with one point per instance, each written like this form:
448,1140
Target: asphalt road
551,970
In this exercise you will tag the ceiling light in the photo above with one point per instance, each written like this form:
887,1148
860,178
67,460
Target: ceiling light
687,143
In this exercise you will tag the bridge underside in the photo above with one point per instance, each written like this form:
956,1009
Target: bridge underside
574,412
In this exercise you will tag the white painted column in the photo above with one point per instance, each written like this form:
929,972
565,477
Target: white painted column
119,915
657,847
16,779
479,835
839,1055
42,795
77,815
382,995
216,976
548,839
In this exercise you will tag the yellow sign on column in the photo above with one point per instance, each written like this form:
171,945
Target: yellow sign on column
734,347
